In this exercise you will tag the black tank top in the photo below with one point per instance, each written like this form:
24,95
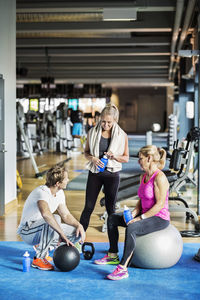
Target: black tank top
103,146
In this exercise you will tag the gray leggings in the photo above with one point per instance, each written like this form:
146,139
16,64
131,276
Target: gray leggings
141,227
44,236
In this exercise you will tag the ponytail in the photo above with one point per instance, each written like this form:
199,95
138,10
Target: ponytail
158,154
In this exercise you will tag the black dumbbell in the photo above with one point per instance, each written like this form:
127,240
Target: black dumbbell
89,253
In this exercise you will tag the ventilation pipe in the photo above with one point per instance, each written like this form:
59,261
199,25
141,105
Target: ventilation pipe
177,22
184,32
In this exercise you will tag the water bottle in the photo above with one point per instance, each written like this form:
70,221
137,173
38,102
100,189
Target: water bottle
104,159
127,214
26,262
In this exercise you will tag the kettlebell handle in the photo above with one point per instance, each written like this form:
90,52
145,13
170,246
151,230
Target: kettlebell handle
88,244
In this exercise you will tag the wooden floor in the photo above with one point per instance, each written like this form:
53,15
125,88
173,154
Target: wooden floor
74,199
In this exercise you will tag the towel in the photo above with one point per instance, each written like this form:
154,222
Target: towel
117,146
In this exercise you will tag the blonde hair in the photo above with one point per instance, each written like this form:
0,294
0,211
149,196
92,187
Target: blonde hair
112,110
56,174
158,154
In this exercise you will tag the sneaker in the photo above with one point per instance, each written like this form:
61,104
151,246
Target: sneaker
78,247
42,264
107,260
49,258
118,274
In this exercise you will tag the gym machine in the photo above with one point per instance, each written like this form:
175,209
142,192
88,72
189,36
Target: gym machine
37,174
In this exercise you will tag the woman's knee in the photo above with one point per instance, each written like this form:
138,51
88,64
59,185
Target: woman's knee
110,209
115,219
132,228
111,219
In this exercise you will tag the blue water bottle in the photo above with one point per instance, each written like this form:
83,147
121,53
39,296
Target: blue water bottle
104,159
26,262
127,214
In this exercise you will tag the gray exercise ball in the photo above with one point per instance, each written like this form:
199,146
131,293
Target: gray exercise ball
159,249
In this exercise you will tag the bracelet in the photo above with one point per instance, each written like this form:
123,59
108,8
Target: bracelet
143,216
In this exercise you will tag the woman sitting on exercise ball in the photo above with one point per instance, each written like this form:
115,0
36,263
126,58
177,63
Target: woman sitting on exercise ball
150,214
106,138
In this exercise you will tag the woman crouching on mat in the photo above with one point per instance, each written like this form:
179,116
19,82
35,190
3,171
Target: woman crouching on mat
150,214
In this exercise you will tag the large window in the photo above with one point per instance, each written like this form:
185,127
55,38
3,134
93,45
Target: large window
73,103
34,104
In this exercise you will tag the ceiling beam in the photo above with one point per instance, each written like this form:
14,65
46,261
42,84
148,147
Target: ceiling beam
95,67
148,51
95,42
107,65
100,78
107,82
24,6
96,59
101,73
151,22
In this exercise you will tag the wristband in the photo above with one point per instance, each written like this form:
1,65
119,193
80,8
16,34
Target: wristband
143,216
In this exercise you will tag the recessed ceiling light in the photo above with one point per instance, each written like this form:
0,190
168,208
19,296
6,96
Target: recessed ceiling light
119,14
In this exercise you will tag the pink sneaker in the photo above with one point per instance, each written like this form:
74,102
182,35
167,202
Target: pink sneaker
118,274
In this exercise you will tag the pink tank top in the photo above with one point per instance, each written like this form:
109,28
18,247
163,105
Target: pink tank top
146,194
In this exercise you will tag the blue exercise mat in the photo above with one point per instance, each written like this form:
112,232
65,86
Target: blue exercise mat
88,281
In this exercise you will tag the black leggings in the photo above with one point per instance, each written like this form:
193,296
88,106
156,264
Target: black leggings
95,181
141,227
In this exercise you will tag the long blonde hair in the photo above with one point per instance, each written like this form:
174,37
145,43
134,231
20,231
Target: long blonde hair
158,154
112,110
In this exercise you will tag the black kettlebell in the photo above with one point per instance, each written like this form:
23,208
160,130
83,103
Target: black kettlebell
89,253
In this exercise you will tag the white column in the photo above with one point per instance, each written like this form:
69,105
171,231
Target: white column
8,70
149,138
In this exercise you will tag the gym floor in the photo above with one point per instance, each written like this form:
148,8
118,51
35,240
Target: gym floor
75,199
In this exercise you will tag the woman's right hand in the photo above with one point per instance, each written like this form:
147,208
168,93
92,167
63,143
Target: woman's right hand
97,162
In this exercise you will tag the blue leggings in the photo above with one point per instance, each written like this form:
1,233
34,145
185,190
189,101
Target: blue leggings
141,227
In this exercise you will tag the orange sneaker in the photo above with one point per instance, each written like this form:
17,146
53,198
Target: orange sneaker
49,258
42,264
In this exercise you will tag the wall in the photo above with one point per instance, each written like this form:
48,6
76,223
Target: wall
8,70
140,108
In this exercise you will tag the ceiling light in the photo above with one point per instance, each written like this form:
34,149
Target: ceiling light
119,14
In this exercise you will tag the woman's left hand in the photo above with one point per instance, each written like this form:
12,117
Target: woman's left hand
134,220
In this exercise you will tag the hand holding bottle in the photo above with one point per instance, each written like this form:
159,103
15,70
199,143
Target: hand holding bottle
109,155
127,214
97,162
104,160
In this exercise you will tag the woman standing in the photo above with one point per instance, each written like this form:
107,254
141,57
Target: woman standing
150,214
106,138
